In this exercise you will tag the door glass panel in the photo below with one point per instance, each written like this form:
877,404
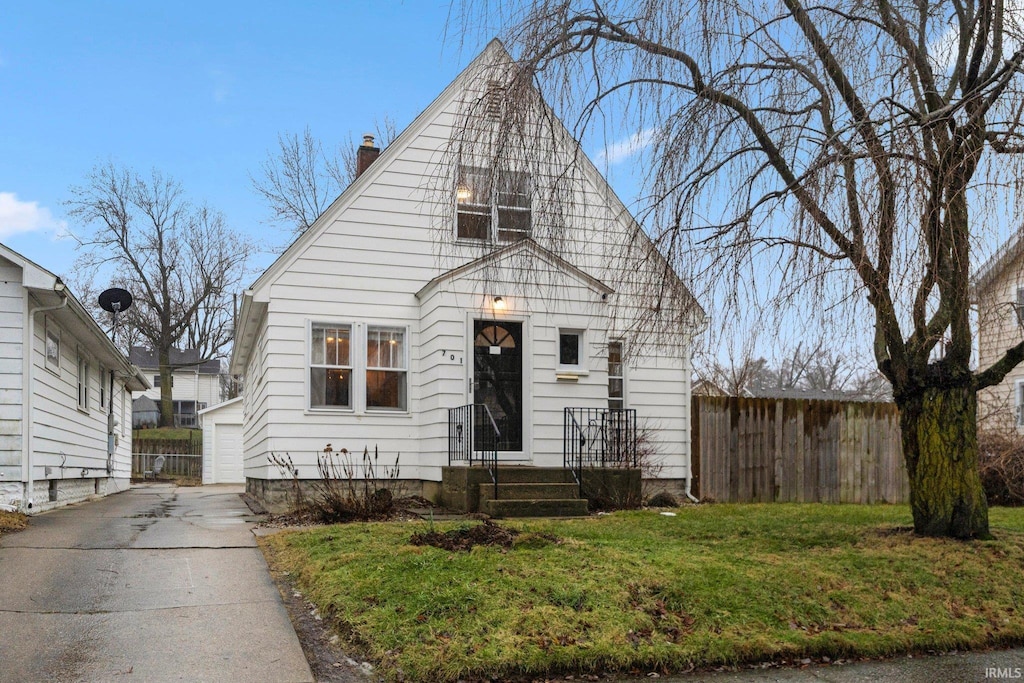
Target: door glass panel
498,381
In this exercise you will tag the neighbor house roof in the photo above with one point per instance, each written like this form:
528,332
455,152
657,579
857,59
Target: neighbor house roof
180,358
50,290
1006,254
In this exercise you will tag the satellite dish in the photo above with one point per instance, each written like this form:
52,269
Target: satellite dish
115,300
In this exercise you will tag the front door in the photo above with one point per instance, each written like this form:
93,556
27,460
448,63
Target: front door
498,380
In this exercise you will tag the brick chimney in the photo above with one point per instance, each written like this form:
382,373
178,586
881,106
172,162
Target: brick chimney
366,154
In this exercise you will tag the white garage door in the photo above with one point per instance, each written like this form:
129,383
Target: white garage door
227,454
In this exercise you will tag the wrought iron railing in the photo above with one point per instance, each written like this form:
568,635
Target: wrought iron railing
598,437
473,435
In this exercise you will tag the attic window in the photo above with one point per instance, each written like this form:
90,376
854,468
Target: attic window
493,208
493,100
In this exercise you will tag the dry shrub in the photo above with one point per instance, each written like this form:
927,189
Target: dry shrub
1001,463
347,490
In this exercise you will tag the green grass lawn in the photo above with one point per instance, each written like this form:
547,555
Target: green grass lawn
717,584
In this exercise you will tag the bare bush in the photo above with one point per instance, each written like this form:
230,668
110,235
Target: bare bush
349,491
1001,461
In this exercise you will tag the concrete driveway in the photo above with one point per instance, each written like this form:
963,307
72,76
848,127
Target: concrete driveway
156,584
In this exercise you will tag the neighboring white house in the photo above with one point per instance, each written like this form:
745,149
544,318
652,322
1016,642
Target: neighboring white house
65,420
195,384
999,297
222,443
431,284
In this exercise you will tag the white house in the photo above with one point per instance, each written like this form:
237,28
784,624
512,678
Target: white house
195,384
65,394
435,283
998,291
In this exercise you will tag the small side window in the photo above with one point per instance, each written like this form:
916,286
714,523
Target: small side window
52,347
570,348
83,382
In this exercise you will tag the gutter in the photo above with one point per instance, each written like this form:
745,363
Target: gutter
28,372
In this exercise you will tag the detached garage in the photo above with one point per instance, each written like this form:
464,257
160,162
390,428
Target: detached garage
222,443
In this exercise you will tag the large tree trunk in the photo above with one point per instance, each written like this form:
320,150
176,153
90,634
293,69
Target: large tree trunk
940,445
166,390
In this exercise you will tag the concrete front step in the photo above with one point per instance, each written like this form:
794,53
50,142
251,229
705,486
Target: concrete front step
525,474
568,507
529,491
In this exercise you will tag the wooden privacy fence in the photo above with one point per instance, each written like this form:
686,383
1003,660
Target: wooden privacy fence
791,450
175,465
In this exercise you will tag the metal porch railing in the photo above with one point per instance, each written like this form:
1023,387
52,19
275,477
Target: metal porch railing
598,437
473,435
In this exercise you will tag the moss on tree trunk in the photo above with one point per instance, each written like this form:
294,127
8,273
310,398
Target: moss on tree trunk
940,445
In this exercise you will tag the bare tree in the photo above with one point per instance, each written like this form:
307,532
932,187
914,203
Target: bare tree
859,149
180,262
302,179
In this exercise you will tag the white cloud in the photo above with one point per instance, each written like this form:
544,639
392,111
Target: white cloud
18,217
621,150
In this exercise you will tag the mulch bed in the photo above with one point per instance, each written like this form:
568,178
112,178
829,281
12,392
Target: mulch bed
464,538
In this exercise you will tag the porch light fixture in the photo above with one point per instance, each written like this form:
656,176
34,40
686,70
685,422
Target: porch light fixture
499,303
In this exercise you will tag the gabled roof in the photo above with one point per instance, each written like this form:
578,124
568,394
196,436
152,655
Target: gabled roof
255,299
494,50
526,245
50,290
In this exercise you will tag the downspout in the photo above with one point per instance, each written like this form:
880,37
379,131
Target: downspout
28,371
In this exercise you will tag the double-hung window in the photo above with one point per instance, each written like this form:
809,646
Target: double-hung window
493,205
330,367
386,370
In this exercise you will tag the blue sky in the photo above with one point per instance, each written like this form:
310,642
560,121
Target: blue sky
199,91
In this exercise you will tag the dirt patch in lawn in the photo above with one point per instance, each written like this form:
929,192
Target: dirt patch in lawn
464,538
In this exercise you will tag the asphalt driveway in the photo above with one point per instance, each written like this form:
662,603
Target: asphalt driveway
156,584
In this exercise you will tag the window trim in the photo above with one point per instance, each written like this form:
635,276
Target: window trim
621,377
102,385
582,365
494,191
49,328
353,353
83,382
364,371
